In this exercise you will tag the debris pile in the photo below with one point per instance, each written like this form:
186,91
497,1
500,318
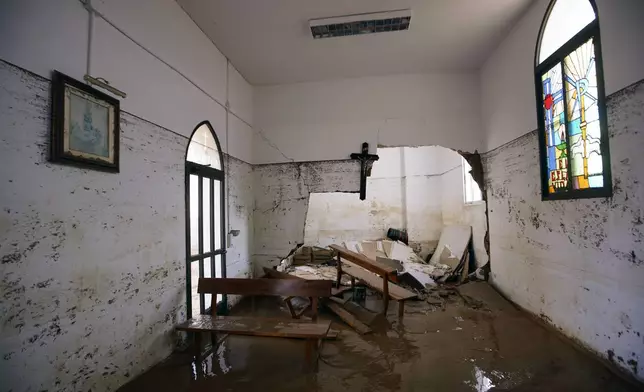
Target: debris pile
448,263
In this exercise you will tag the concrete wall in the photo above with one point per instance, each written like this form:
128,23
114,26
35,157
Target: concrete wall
93,264
330,120
576,263
160,80
579,263
401,193
456,212
507,78
281,200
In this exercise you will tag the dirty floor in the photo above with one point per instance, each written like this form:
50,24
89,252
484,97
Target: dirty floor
484,345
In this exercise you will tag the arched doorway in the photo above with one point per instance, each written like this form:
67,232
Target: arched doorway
205,217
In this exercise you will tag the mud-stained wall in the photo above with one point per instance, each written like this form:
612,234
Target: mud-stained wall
579,264
92,269
241,203
281,201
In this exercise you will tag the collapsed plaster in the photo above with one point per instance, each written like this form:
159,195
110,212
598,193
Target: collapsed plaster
579,264
92,264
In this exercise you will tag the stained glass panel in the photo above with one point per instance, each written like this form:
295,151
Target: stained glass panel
584,131
555,130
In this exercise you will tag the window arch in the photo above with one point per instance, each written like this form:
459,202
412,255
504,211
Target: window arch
573,137
205,235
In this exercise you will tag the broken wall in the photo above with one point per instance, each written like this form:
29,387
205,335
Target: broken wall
281,201
579,264
92,271
403,191
456,212
417,188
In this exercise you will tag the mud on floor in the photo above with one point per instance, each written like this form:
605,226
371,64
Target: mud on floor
481,345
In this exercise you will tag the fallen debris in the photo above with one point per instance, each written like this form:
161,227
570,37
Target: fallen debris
312,255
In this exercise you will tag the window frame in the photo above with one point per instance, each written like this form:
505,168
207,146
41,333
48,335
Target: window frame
203,172
590,32
467,177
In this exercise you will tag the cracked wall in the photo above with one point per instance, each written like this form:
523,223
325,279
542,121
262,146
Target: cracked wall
92,270
579,264
281,201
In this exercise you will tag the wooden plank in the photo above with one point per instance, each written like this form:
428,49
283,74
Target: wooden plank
271,273
341,290
364,262
347,317
264,286
396,292
366,316
339,301
253,326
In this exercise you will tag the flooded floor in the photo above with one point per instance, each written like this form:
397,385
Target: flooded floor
474,346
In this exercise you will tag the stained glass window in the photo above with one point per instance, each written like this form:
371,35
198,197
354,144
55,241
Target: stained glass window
573,136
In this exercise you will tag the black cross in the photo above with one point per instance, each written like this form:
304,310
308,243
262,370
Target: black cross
366,160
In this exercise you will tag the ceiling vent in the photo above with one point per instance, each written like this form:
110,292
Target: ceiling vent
358,24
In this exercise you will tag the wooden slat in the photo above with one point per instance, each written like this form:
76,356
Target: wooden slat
396,292
253,326
347,317
284,287
364,262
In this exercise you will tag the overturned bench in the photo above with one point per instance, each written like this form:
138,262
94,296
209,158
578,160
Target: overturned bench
311,332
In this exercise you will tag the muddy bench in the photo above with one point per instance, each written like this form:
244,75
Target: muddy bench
312,332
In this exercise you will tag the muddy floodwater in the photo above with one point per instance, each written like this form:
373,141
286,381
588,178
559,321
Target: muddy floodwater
489,346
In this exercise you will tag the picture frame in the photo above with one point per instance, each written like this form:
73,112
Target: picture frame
85,127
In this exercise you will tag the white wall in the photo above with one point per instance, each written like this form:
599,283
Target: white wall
93,269
43,35
330,120
417,188
576,263
403,191
507,78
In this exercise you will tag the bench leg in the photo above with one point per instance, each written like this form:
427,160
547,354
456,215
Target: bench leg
197,345
311,358
401,309
385,294
339,267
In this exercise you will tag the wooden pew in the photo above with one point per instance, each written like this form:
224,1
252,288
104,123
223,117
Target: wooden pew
386,273
312,332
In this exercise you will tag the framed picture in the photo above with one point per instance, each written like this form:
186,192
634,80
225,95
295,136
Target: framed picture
85,125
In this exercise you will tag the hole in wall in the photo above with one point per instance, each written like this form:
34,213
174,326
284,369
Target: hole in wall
419,189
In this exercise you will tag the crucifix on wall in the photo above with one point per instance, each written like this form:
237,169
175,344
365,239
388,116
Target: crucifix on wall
366,160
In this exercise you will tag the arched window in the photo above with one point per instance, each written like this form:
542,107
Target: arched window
573,138
205,236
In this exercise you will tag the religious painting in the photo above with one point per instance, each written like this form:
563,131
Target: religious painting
85,125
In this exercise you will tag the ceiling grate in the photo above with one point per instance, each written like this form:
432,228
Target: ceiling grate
379,22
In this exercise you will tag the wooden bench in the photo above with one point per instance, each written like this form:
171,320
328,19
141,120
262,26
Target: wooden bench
379,283
312,332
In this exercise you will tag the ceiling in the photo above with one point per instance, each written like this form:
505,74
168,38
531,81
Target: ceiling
269,41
